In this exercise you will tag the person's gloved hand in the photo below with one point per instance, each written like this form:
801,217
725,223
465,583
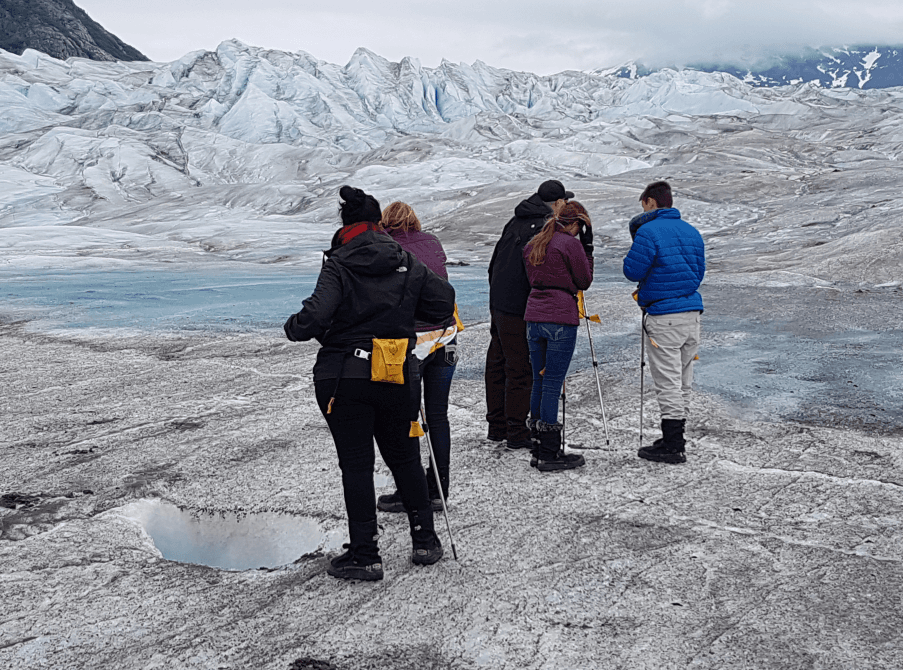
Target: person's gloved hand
586,238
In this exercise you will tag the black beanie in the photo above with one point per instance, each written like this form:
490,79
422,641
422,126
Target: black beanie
358,206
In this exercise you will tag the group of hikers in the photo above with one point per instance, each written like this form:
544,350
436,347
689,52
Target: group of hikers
384,314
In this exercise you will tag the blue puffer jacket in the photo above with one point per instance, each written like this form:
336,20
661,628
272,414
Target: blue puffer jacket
668,260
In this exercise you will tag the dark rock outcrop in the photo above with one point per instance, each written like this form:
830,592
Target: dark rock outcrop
60,29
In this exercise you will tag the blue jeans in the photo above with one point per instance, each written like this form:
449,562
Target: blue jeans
437,372
551,348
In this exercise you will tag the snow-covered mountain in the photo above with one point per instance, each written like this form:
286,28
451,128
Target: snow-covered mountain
239,153
832,67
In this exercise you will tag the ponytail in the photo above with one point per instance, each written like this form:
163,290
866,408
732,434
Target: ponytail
564,214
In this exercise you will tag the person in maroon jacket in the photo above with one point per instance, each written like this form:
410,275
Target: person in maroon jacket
436,348
558,265
507,375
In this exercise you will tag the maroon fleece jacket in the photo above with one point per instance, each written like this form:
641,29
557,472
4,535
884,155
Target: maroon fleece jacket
428,250
426,247
554,284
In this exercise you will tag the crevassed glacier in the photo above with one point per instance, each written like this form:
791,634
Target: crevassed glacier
235,153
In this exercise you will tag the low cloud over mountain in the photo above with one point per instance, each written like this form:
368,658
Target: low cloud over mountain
832,67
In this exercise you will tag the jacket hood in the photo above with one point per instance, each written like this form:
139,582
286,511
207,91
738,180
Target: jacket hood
637,222
532,208
369,253
668,213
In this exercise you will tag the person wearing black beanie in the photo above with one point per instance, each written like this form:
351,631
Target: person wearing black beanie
358,206
360,212
371,289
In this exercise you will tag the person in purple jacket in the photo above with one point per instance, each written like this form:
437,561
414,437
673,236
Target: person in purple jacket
558,265
436,348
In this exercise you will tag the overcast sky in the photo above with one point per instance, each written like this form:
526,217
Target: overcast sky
542,37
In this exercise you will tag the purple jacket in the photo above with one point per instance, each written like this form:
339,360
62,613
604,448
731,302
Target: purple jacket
428,250
554,284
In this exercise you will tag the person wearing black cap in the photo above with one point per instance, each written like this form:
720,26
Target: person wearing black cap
509,378
367,298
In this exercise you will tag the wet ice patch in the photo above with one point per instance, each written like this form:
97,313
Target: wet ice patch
382,480
228,540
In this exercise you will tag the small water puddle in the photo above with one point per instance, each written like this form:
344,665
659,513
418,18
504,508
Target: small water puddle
228,540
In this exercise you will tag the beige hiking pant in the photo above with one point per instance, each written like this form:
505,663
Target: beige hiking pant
672,341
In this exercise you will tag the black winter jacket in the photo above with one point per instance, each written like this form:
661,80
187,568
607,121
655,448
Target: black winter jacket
509,287
368,288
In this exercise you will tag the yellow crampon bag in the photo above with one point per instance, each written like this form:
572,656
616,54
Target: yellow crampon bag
388,359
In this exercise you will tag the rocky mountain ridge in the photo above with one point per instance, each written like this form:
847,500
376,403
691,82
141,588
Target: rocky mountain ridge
61,29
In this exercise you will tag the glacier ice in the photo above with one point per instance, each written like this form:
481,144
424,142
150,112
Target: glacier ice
238,153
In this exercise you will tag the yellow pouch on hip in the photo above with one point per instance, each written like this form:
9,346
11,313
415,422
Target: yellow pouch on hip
458,321
388,359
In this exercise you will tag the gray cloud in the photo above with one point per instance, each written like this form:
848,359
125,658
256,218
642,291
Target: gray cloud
527,35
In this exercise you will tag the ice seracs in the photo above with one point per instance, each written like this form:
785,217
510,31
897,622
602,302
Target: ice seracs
244,134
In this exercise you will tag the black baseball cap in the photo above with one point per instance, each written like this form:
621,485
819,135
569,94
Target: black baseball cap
553,190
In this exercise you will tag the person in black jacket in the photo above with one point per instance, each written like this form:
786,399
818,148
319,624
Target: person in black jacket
509,378
369,288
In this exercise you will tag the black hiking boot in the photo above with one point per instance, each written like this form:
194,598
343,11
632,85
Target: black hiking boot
427,549
551,457
561,461
361,560
433,491
497,435
660,441
346,566
393,503
515,445
534,440
670,448
428,553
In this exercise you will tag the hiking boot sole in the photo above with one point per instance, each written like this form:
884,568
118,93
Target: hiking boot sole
364,573
674,458
426,556
554,466
399,508
517,445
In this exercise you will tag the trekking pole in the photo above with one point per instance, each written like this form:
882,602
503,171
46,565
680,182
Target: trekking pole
564,411
592,350
429,444
642,370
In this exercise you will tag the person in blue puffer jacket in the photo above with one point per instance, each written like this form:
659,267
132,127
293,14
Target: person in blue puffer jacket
667,259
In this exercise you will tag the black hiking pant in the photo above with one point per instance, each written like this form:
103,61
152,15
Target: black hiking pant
364,410
509,377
